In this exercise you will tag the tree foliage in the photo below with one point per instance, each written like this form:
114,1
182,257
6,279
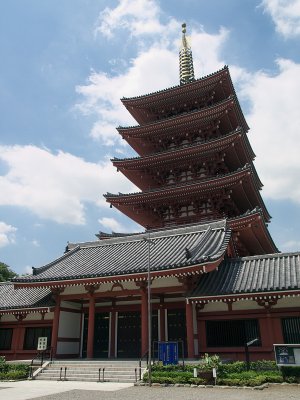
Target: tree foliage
6,273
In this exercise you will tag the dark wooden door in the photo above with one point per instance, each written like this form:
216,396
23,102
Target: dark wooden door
101,335
129,334
177,329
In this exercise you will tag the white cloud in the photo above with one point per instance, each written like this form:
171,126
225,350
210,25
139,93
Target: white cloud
7,234
286,16
291,245
274,117
274,120
139,17
155,67
28,270
55,186
112,224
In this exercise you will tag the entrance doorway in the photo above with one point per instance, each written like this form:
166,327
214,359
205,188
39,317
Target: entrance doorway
177,328
101,335
129,334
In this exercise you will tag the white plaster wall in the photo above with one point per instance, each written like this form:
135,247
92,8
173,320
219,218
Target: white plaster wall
33,317
67,347
69,325
165,282
49,316
70,304
8,318
218,306
74,290
246,305
175,299
288,302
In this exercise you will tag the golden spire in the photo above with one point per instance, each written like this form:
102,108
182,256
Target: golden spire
185,60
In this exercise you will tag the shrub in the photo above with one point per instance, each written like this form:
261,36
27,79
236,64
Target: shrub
13,371
290,371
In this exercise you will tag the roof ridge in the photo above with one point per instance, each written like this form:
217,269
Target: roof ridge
173,117
239,129
177,86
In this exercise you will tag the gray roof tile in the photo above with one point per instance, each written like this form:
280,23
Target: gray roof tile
11,298
273,272
129,254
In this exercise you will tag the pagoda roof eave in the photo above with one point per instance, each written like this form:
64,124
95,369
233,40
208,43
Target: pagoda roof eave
205,113
204,186
172,91
254,218
202,148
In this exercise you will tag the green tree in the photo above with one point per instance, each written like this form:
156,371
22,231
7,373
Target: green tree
6,273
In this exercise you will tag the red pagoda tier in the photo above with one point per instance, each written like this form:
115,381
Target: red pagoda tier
195,162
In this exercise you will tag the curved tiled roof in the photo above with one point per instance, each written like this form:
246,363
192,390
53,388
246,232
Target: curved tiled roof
202,114
24,297
268,273
199,148
129,255
172,88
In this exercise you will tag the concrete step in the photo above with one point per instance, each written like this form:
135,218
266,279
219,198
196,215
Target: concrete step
114,371
40,377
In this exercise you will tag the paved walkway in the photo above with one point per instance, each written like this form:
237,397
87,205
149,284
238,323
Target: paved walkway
53,390
25,390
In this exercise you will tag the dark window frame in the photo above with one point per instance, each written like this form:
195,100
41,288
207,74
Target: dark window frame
290,329
6,335
33,333
232,332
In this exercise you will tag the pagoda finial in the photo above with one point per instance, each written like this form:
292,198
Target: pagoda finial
185,60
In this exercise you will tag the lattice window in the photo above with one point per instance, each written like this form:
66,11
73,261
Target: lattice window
168,214
187,211
186,176
205,207
171,179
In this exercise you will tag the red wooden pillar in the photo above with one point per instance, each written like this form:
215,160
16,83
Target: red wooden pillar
112,334
55,325
189,329
91,327
144,321
162,327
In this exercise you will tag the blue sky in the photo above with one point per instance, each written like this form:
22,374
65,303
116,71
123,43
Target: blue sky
66,63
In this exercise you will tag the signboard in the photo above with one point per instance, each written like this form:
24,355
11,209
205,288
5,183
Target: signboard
287,354
168,352
42,343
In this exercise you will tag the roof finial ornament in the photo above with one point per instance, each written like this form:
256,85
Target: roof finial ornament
185,59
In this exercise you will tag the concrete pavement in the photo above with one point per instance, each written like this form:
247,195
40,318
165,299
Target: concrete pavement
24,390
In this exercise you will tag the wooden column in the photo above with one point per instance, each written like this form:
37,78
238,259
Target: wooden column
162,324
91,321
55,324
144,320
112,350
91,327
189,330
17,332
162,320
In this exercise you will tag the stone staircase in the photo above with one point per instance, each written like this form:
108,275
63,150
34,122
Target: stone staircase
91,371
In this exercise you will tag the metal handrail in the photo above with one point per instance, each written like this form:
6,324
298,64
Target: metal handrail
41,355
140,362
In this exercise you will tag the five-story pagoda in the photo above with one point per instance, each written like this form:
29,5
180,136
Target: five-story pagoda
195,162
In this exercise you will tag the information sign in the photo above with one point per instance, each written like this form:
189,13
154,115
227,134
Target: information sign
168,352
42,343
287,354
